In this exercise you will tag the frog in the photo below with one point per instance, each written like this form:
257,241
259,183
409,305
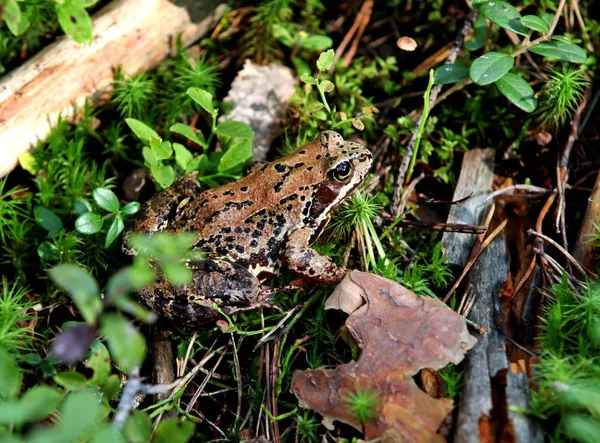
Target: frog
249,229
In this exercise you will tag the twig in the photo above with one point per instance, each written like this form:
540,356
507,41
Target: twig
545,37
458,42
238,375
528,188
564,252
444,227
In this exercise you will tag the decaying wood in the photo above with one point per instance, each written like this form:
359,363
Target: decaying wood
136,34
491,388
477,173
584,251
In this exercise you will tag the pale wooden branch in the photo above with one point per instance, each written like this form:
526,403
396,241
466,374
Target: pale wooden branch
136,34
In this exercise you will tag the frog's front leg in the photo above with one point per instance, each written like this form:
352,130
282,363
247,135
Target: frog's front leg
306,262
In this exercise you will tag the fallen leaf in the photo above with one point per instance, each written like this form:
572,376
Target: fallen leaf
399,334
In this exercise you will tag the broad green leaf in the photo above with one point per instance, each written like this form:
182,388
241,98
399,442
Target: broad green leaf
164,175
82,206
106,199
99,362
173,430
11,14
182,156
325,61
177,273
234,129
116,227
477,41
82,287
71,380
490,67
48,251
536,23
517,91
75,21
560,50
125,304
446,74
326,86
189,132
111,387
308,79
127,345
10,376
106,432
203,98
89,223
138,427
37,402
162,150
504,15
317,42
236,156
580,427
131,208
48,220
548,18
141,130
28,162
149,157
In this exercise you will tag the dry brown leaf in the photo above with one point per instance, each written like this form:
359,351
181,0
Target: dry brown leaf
399,334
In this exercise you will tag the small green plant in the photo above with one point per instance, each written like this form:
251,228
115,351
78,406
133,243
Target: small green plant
362,404
133,96
90,222
14,317
494,67
234,137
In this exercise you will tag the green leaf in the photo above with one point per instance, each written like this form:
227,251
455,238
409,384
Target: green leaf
106,199
48,251
138,427
316,43
504,15
10,376
517,91
183,156
82,206
141,130
231,128
326,86
82,287
127,345
177,273
548,18
203,98
477,41
325,61
75,21
105,432
48,220
11,14
89,223
173,430
111,387
446,74
490,67
131,208
164,175
149,157
309,79
99,362
560,50
37,403
114,231
71,380
189,132
536,23
358,124
162,150
236,156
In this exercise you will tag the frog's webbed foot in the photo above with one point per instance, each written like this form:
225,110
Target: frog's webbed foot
309,264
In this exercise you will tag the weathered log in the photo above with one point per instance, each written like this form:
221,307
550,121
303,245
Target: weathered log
135,34
477,173
491,388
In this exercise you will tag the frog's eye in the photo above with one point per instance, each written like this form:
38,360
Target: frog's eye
342,171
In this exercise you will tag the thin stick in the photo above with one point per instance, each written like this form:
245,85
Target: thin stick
528,188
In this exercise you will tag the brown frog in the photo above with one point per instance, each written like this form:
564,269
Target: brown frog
248,229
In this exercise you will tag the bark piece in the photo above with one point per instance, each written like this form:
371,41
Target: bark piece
136,34
260,97
476,175
393,351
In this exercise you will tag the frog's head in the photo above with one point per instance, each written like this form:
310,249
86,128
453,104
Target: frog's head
345,165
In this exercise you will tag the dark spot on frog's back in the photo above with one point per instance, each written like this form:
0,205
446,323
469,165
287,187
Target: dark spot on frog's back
279,167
